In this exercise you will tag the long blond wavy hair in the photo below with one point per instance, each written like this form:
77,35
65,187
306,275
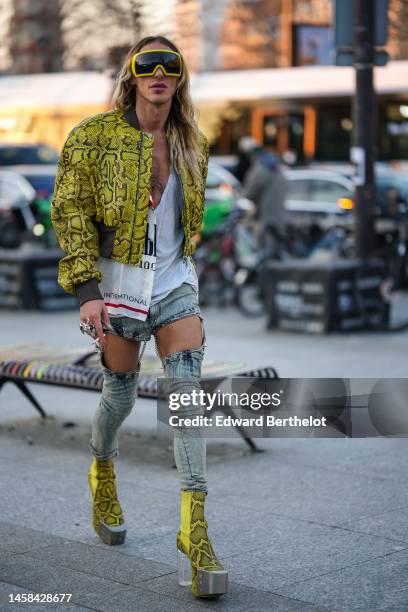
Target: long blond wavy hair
181,127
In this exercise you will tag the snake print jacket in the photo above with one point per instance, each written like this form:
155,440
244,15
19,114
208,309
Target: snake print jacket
101,198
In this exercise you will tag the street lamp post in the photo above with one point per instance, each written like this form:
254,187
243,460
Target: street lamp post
364,127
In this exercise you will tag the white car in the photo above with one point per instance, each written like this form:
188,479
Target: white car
316,196
221,184
17,219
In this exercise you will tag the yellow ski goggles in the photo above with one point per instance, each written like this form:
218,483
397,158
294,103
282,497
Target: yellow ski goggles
146,63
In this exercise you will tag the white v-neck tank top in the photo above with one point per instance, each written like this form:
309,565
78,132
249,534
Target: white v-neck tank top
172,269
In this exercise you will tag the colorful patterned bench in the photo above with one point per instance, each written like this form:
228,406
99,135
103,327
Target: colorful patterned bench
76,368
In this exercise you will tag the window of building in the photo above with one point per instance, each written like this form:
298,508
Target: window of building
393,132
312,45
334,128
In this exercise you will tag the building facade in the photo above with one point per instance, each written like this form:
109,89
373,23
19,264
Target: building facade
244,34
35,37
240,37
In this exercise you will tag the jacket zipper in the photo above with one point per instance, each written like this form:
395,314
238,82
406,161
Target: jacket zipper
137,195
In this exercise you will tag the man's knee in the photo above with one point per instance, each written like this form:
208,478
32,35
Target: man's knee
119,390
184,364
182,371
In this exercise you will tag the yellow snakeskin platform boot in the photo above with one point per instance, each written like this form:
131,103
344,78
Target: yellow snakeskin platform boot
206,575
108,520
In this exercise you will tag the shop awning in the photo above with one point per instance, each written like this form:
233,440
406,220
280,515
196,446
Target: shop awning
292,83
92,88
62,89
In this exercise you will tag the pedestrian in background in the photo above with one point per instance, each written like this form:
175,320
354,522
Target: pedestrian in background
266,186
246,144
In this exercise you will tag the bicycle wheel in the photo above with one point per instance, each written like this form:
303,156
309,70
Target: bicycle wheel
250,299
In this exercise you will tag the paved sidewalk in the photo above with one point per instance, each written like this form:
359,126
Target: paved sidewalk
306,525
309,524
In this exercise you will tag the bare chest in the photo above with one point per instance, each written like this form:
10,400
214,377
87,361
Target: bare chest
160,169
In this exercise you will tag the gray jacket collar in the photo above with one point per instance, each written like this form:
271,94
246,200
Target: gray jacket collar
131,118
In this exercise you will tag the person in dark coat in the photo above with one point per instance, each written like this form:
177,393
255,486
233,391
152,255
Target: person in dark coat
246,145
266,186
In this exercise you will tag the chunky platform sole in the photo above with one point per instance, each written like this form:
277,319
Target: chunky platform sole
110,535
209,583
212,584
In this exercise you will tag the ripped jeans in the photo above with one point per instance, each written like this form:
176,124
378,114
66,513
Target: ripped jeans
119,390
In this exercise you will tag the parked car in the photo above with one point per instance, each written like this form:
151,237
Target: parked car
221,182
316,194
228,162
17,218
36,166
19,154
392,192
221,193
388,180
313,195
42,179
319,197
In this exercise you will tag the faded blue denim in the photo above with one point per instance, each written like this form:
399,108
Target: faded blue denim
119,390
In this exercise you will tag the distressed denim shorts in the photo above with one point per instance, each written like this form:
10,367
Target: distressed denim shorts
180,303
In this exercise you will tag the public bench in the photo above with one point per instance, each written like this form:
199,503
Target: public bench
78,369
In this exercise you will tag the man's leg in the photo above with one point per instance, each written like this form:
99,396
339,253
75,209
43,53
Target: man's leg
121,371
181,347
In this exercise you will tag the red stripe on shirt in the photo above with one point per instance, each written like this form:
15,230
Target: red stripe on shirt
127,307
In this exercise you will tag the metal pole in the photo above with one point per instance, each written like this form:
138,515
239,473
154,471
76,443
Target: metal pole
364,132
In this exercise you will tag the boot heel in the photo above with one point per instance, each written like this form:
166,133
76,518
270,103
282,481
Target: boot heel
184,569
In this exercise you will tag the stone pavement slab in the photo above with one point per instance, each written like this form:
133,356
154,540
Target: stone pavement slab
18,539
377,585
87,589
381,458
305,492
102,561
240,598
5,605
393,525
295,553
103,579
